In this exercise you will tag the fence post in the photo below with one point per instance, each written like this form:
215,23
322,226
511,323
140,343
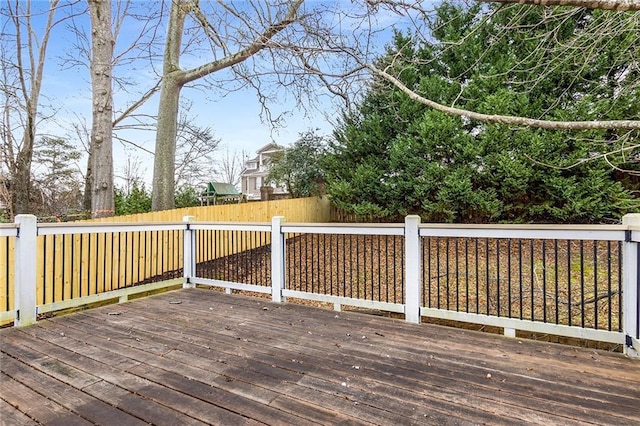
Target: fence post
26,253
412,268
189,253
277,258
631,286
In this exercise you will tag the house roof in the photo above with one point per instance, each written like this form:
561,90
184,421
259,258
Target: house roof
272,146
220,189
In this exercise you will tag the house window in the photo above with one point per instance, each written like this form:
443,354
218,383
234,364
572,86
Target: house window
252,184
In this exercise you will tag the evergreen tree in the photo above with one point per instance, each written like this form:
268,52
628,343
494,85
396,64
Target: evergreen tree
56,178
299,167
187,196
136,200
394,156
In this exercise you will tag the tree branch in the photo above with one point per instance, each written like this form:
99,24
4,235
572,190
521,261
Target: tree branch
260,43
144,98
619,5
507,119
604,156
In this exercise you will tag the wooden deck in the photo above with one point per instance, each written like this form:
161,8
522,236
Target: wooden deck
200,357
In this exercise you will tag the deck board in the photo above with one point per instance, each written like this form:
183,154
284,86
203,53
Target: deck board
200,356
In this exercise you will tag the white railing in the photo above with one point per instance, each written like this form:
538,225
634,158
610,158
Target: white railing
549,269
63,266
489,274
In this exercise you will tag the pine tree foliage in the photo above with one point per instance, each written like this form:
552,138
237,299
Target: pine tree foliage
55,183
136,200
393,156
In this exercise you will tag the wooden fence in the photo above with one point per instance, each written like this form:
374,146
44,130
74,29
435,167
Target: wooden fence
7,272
312,209
90,263
304,210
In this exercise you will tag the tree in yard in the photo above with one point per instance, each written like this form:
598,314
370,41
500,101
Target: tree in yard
94,49
136,200
293,40
581,49
56,177
246,42
394,156
299,167
101,147
195,161
23,49
256,45
230,167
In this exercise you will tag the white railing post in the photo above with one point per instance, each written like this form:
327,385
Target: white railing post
412,268
630,284
277,258
189,254
25,270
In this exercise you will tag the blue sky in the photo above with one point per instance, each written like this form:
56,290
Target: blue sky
234,118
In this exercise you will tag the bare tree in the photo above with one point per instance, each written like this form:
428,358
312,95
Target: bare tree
234,33
123,66
101,151
231,166
196,146
82,134
132,174
23,59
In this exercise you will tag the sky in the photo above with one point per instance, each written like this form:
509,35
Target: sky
234,118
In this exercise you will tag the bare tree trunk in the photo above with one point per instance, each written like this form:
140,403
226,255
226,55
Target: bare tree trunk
163,195
21,176
101,149
165,154
88,183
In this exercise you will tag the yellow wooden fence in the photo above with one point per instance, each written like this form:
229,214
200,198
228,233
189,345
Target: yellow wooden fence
7,273
312,209
69,266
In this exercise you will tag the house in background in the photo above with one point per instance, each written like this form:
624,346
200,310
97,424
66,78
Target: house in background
253,177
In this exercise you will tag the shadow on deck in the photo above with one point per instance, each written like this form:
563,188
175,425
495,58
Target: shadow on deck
201,357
